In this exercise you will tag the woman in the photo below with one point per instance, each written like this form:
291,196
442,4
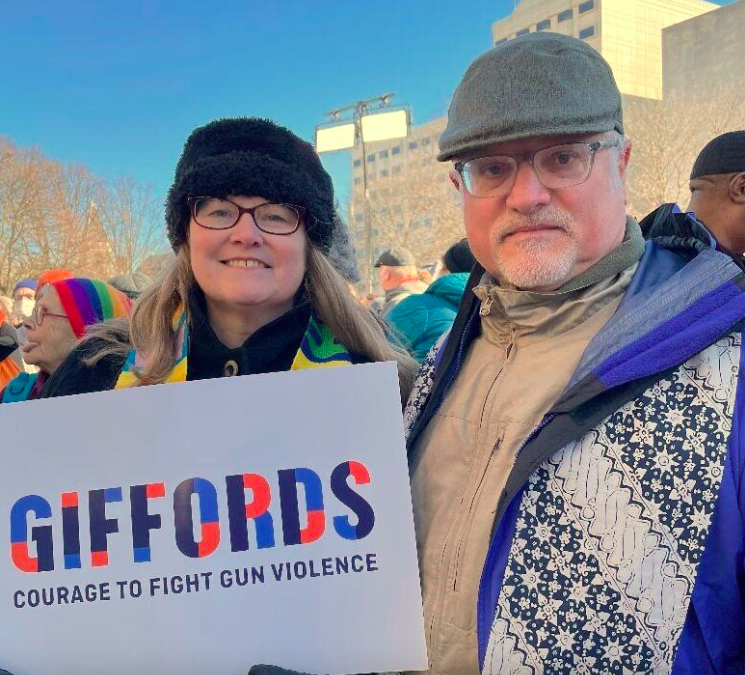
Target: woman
62,313
251,218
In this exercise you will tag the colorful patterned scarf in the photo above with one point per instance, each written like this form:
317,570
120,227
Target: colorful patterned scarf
318,349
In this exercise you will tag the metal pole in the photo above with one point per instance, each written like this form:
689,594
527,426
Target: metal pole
358,110
368,219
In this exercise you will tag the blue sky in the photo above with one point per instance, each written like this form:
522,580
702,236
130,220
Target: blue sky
119,85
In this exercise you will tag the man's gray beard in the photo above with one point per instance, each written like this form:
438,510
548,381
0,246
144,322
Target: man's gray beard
541,265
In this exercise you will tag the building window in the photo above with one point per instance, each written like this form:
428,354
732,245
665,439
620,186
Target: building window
396,149
384,173
586,6
357,181
383,154
500,42
544,25
358,162
566,15
425,141
587,33
413,145
396,169
522,32
359,217
371,158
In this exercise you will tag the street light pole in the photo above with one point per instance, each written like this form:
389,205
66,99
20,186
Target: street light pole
358,111
367,214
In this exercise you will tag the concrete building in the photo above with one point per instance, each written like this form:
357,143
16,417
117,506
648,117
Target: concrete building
626,32
412,202
704,56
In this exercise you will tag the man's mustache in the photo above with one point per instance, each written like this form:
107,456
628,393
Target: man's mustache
545,218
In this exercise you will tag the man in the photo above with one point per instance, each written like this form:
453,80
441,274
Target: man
577,463
398,276
718,190
576,444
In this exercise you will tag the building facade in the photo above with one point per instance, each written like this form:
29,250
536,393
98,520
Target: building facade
628,33
704,56
411,200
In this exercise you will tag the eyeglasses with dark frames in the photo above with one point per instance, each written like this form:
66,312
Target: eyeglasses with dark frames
213,213
558,166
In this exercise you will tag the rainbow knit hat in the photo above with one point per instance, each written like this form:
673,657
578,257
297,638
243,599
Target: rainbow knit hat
89,301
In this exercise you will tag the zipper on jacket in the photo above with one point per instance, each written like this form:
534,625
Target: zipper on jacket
477,492
468,517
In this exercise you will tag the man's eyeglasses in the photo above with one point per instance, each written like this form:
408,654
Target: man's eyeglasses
222,214
559,166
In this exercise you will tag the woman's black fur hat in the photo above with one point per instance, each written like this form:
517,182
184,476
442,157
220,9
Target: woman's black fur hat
253,157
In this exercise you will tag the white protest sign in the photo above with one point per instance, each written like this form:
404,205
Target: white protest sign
208,526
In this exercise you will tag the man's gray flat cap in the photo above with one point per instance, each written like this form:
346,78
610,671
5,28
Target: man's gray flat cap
541,84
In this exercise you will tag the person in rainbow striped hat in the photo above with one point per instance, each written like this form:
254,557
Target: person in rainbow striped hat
64,310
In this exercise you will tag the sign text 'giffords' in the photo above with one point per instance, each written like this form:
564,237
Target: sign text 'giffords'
198,506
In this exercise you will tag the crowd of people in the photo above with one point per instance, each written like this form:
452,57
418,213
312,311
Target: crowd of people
575,431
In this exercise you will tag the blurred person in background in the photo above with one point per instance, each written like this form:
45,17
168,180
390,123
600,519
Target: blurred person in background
11,361
398,275
131,284
64,310
6,309
418,320
24,296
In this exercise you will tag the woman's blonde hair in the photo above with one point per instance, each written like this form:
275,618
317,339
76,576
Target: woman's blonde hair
150,332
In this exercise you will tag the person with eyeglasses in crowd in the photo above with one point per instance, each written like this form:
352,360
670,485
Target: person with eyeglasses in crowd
63,312
253,287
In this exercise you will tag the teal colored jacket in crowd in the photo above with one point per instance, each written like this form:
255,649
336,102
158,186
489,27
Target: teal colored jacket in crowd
420,319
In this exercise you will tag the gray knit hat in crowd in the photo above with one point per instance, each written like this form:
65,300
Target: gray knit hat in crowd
541,84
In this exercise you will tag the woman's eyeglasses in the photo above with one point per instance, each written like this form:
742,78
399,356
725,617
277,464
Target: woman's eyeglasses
222,214
39,313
